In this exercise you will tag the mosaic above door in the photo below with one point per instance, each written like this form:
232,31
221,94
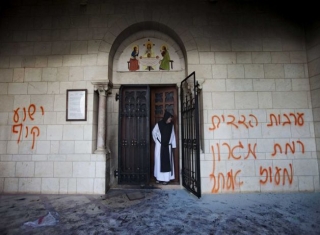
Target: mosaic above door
149,54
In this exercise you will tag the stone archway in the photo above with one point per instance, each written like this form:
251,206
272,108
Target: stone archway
113,46
120,32
150,29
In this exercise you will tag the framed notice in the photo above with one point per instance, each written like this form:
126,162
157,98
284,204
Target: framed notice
76,105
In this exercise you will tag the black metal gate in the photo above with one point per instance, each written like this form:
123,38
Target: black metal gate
134,135
190,135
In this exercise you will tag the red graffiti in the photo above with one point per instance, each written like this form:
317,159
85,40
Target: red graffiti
17,131
292,147
250,122
16,115
18,126
284,119
232,151
214,126
31,111
42,110
34,130
228,181
279,174
239,151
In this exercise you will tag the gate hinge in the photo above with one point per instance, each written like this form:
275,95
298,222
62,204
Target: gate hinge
117,97
115,173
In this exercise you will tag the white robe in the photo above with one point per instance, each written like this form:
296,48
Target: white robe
162,176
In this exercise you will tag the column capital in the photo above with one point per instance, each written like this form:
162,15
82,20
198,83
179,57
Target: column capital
103,87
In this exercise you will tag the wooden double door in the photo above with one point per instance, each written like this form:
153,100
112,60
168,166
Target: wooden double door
140,108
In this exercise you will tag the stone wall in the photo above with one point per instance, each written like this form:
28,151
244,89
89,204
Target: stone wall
46,49
251,60
313,53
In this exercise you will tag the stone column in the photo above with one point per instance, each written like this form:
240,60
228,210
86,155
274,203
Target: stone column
102,88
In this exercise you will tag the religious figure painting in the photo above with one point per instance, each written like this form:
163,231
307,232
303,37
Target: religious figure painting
148,54
149,59
134,62
164,63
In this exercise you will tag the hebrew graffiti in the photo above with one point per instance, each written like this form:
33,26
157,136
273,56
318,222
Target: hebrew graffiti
232,149
288,146
248,122
221,181
274,174
278,172
19,119
285,119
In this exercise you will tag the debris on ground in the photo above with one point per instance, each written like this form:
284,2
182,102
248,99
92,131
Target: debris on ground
46,220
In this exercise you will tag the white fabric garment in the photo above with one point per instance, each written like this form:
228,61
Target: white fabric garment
162,176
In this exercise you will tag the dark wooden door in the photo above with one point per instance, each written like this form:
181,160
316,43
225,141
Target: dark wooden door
134,135
140,108
164,98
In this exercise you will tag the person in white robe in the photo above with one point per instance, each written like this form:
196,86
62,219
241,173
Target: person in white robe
165,141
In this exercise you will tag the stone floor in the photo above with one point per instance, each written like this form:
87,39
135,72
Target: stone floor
161,211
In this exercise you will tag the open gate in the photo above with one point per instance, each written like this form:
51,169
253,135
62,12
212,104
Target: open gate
190,135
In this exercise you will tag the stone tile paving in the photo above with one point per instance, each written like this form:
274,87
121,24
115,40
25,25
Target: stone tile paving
125,211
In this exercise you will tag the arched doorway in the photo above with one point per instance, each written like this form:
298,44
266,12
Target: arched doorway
140,108
155,83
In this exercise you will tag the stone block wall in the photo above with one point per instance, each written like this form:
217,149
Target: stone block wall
313,55
44,51
258,74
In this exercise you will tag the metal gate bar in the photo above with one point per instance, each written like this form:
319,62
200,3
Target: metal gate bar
190,135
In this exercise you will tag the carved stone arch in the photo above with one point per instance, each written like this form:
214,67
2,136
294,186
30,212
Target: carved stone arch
180,34
112,43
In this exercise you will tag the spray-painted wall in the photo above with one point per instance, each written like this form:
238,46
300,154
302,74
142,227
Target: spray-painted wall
258,125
